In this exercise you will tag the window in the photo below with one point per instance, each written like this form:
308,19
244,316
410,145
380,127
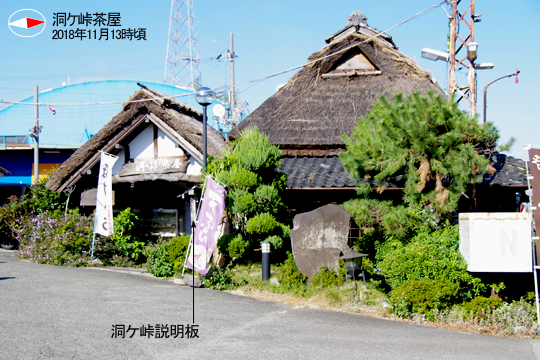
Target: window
13,140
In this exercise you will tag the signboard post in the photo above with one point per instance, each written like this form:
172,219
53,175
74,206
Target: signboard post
533,180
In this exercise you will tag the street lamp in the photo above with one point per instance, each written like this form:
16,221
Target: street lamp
205,96
486,87
435,55
472,51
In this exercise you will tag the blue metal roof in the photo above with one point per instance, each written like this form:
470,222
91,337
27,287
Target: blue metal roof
72,126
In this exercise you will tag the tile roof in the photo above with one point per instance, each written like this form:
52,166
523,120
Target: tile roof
510,171
305,172
315,172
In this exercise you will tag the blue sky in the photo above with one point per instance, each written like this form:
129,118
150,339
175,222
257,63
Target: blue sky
270,37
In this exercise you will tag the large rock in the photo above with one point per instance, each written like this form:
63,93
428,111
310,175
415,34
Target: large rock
318,237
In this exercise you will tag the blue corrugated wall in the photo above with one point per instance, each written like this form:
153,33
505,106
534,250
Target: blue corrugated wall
73,125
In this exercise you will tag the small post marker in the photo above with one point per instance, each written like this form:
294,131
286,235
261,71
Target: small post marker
265,260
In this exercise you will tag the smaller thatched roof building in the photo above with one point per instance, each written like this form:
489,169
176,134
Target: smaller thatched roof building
159,145
180,121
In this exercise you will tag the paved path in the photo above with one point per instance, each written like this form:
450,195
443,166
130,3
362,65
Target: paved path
50,312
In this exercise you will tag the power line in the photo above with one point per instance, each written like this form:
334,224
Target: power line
247,82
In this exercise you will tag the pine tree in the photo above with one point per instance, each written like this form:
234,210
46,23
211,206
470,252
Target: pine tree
254,187
437,147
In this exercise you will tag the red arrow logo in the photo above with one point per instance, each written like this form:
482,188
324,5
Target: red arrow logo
27,23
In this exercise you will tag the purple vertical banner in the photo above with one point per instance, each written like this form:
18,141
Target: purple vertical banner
210,213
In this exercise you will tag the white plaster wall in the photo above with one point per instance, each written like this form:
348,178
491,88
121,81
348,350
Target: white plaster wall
143,145
194,167
167,146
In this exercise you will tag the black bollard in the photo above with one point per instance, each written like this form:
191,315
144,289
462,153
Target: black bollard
265,260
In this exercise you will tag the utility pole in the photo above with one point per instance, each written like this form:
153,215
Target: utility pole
35,131
462,38
232,99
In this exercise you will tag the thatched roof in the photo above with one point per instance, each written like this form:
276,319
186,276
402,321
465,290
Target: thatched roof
326,98
174,115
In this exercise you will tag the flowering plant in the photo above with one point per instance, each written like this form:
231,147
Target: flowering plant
52,238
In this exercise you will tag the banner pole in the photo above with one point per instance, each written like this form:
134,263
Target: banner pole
194,221
93,236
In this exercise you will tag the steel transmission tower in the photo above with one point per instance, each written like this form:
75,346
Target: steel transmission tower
463,51
182,65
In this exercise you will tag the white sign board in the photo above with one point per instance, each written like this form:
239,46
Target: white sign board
496,242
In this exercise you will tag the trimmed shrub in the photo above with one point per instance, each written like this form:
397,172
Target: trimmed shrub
177,249
233,245
422,296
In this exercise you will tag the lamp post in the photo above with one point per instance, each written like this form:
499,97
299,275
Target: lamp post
486,87
205,96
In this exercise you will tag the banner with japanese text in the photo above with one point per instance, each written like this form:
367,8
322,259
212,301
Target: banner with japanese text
210,213
534,158
104,216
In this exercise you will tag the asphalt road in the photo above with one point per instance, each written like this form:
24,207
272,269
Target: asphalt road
49,312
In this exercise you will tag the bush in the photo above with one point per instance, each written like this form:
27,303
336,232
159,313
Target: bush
166,257
428,256
52,238
42,199
289,276
177,249
125,235
422,296
261,224
517,317
327,277
156,260
480,306
11,216
219,279
233,245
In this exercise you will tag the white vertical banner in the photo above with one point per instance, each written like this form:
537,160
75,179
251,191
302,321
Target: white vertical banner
104,216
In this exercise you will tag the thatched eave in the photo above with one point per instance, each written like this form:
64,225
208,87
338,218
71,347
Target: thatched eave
180,121
314,110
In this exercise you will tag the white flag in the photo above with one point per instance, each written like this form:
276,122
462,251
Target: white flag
104,217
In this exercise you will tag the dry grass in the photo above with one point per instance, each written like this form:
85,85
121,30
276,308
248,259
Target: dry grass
452,319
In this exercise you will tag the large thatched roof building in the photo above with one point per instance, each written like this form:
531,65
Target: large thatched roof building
159,144
325,99
339,85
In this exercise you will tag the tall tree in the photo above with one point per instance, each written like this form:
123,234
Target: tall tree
254,187
437,147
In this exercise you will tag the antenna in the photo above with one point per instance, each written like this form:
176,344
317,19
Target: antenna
182,64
